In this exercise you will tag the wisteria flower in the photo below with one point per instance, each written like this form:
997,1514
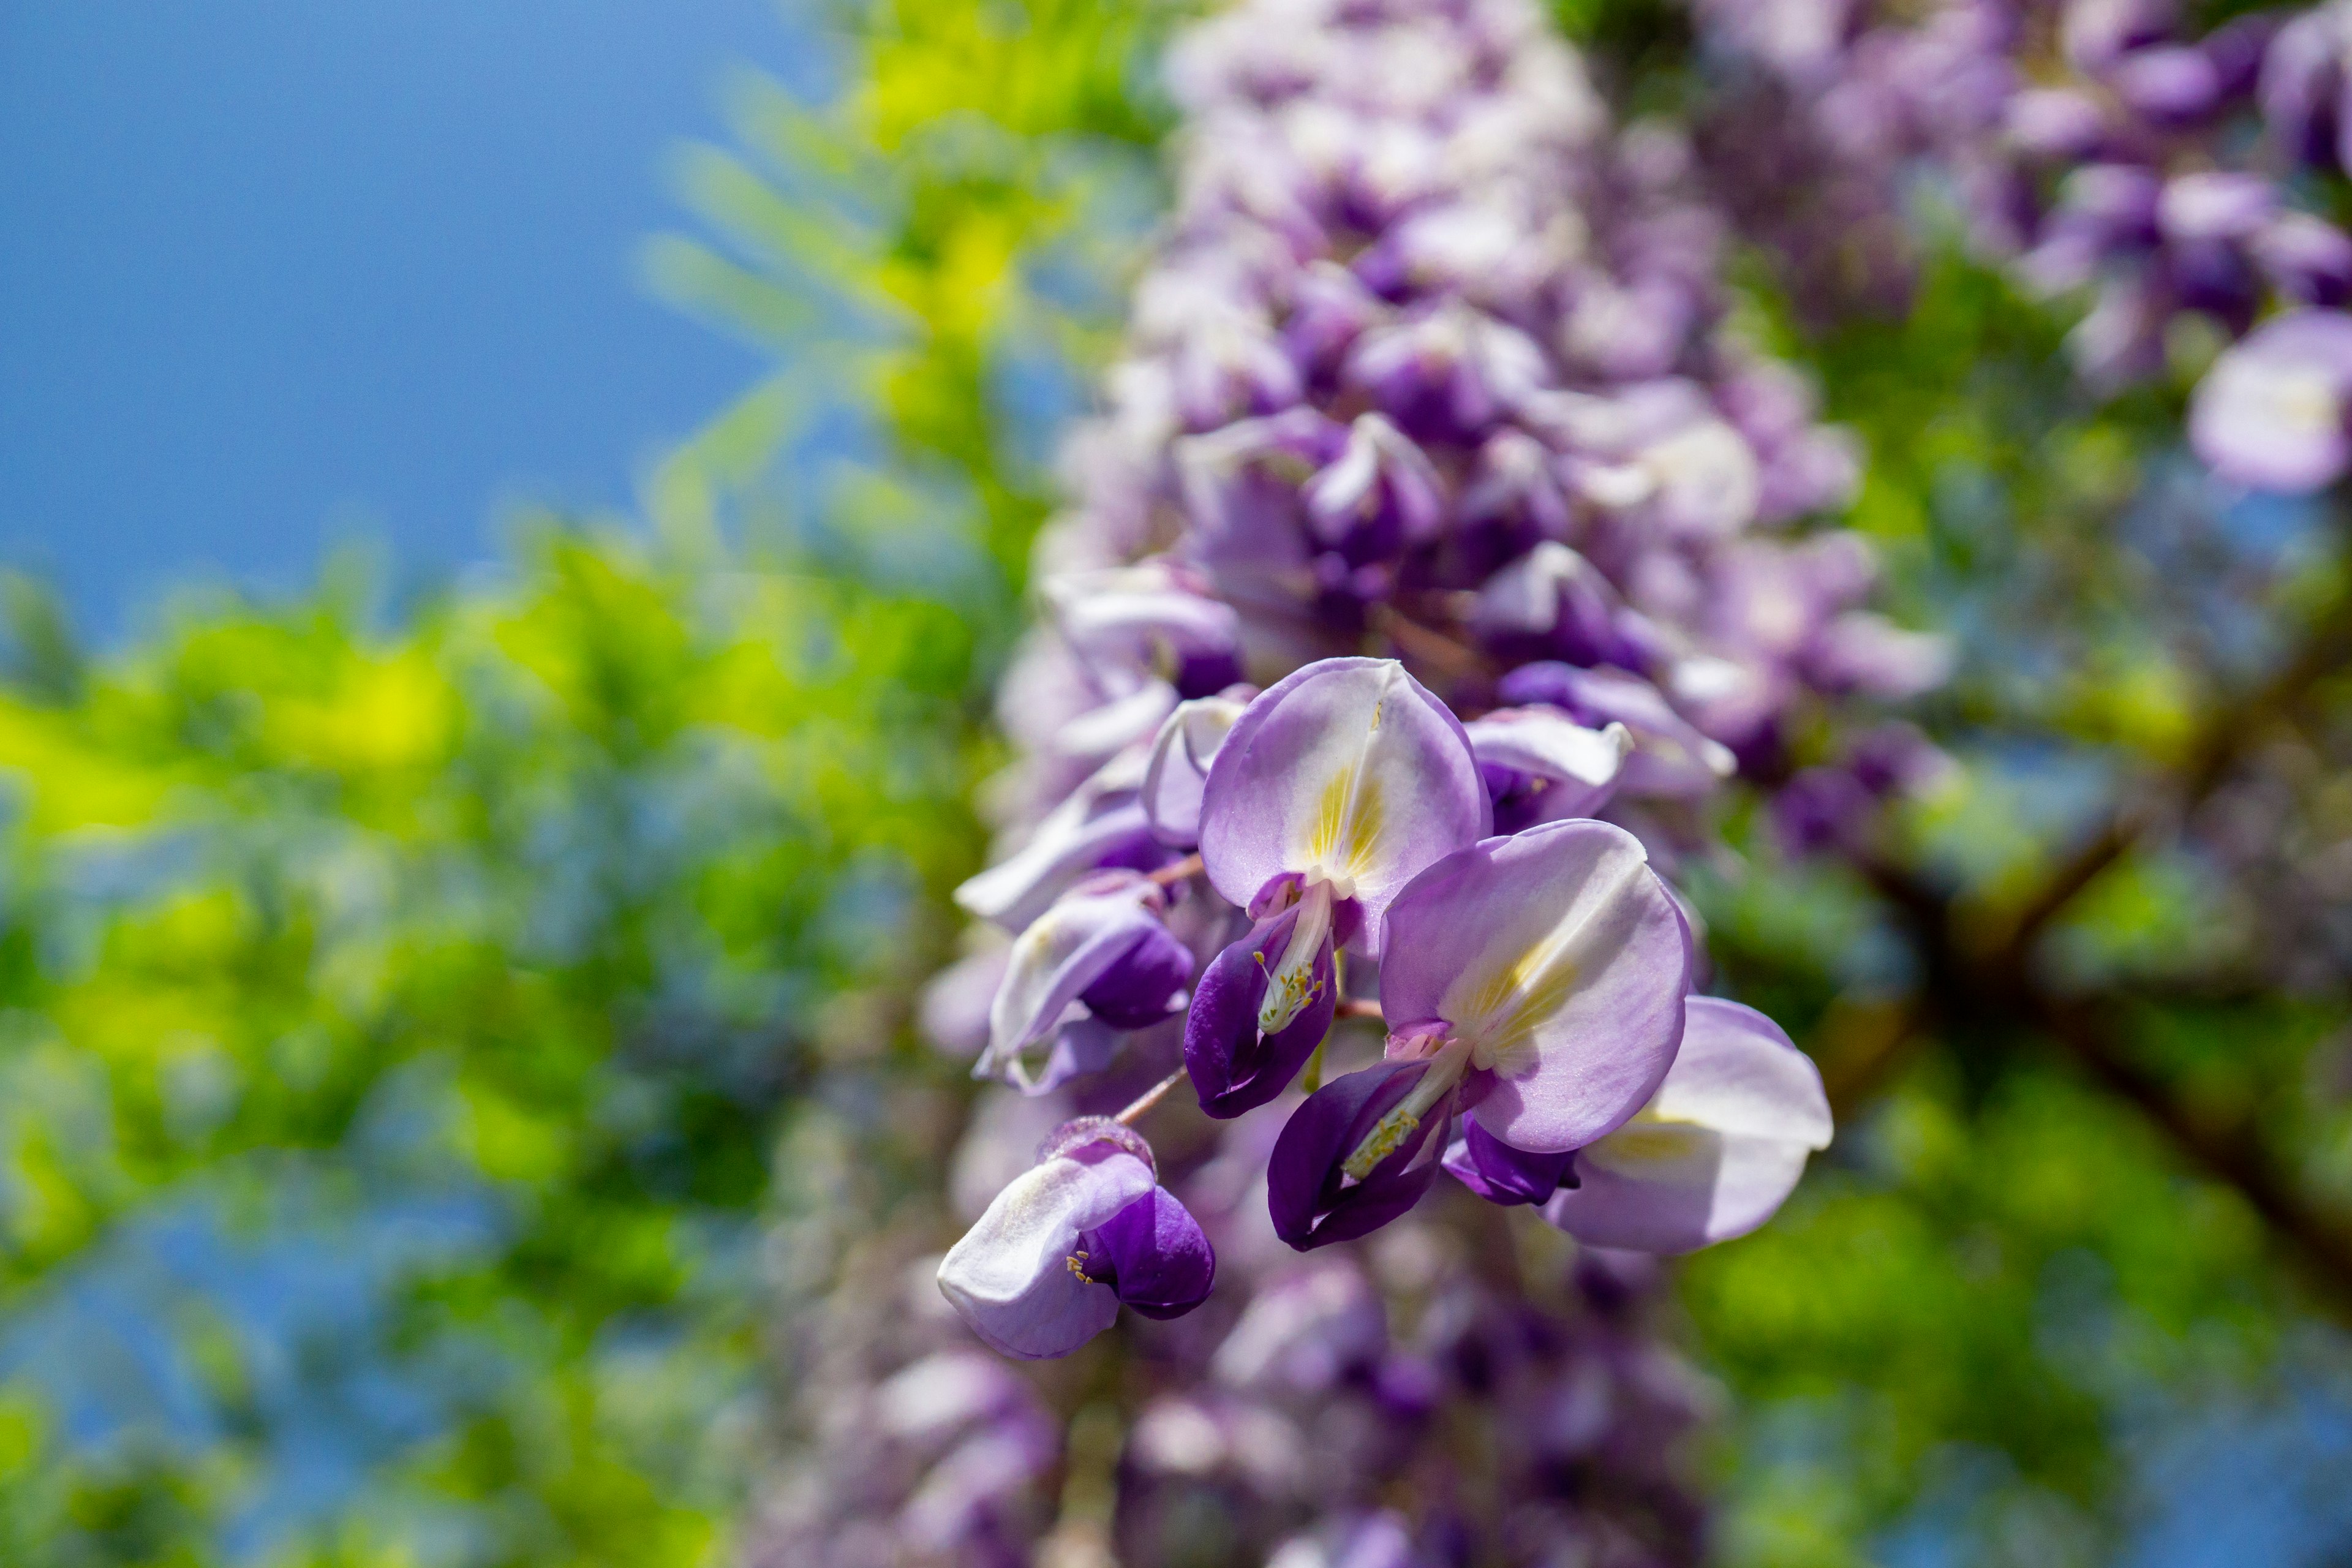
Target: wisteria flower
1332,791
1065,1245
1539,978
2271,413
1540,765
1177,777
1099,962
1714,1153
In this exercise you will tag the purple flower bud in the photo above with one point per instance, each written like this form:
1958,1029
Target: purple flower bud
1448,375
1553,603
2309,260
1150,619
1086,1228
1670,756
1100,824
1357,1154
1101,947
1231,368
1379,495
1542,766
2056,123
2172,85
1514,495
1329,311
1502,1174
2095,34
1315,1326
1718,1149
2303,86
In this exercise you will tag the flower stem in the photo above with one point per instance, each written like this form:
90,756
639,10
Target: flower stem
1177,871
1148,1099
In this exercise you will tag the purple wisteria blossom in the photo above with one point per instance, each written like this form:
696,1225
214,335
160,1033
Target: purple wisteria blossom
1083,1232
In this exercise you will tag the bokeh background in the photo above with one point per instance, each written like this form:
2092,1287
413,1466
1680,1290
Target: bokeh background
514,512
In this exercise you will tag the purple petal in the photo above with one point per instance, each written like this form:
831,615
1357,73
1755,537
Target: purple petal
1010,1277
1232,1066
1714,1154
1564,769
1560,958
1670,756
1153,1254
1502,1174
1101,823
1553,603
1348,771
1103,941
1309,1195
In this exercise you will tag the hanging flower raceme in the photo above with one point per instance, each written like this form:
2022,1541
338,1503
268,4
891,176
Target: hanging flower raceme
1440,556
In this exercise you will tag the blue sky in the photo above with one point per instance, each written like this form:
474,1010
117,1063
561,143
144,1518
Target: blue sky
279,272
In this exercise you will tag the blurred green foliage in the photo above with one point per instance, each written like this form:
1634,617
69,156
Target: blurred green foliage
396,1012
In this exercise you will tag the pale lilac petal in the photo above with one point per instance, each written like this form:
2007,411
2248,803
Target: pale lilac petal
1064,951
1670,756
1559,956
1861,651
2271,414
1178,774
1101,822
1708,482
1348,771
1715,1152
1010,1280
1581,766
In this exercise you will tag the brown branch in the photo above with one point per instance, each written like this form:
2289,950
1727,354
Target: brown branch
1453,659
2229,1148
2220,744
1978,973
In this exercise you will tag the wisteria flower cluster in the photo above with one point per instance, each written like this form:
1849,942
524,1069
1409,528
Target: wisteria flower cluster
2104,152
1438,557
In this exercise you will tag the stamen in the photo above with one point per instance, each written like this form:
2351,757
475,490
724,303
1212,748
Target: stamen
1389,1134
1292,983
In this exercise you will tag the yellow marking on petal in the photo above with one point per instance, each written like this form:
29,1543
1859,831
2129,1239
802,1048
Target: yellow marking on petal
1509,1005
1656,1142
1331,815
